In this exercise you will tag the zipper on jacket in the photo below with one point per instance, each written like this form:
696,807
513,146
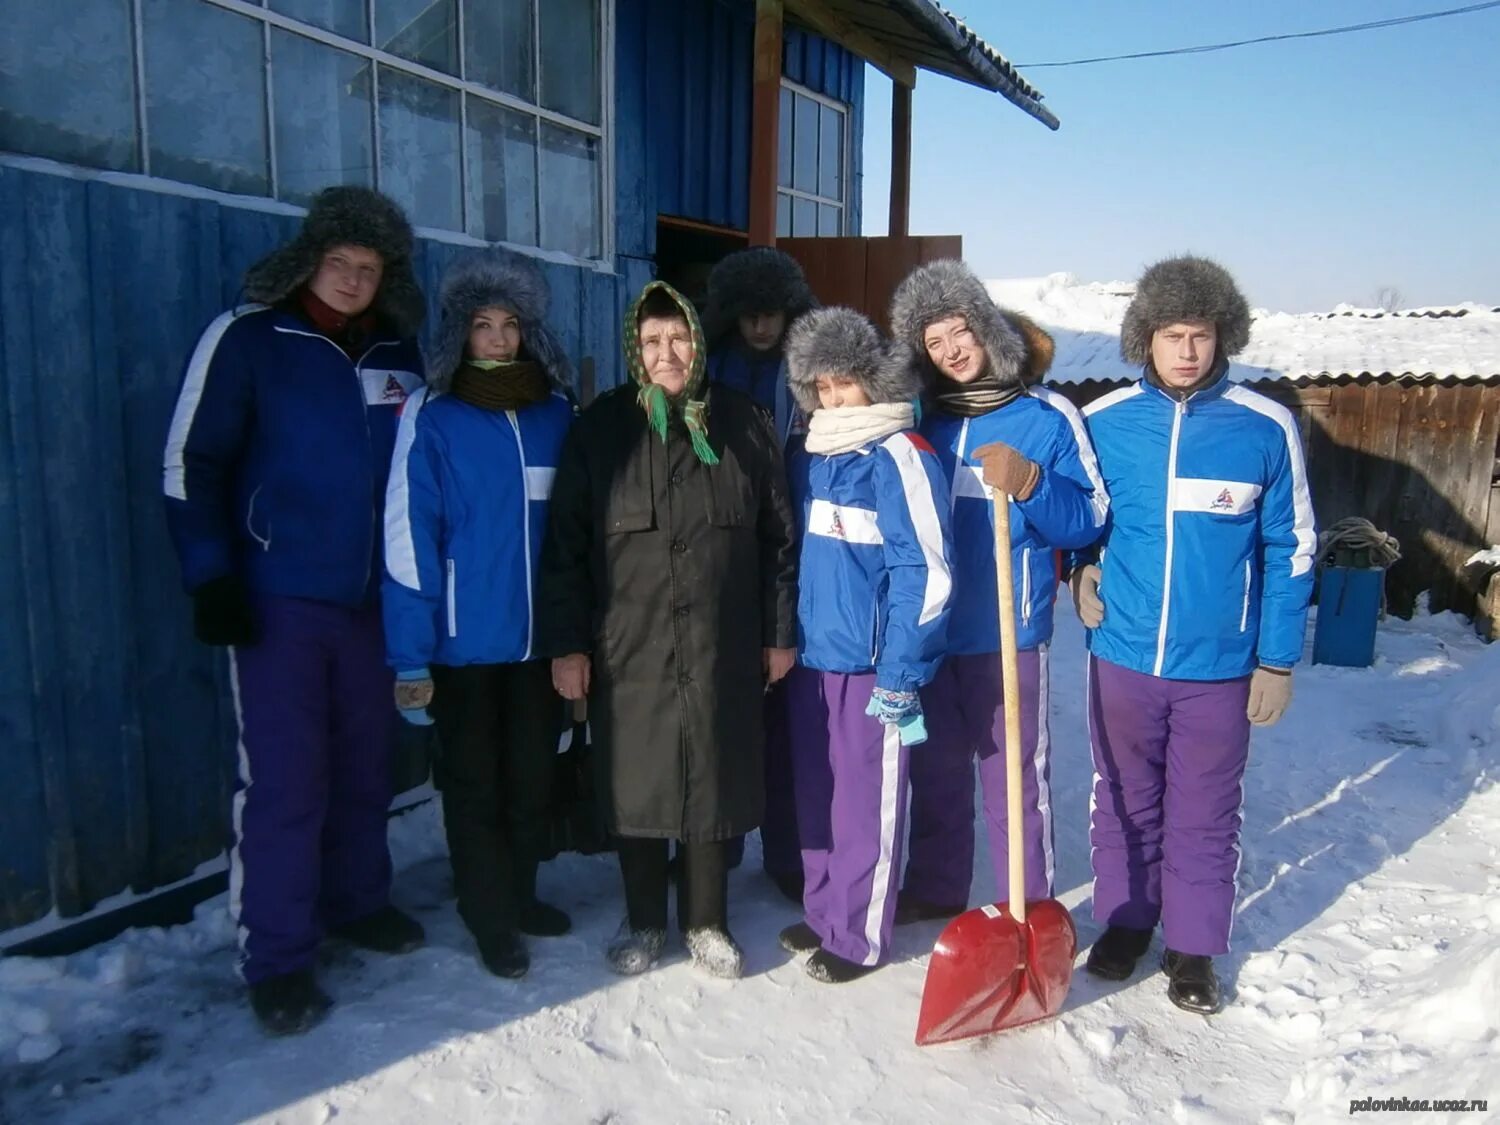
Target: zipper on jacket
265,544
1245,611
958,465
515,424
1025,585
1166,586
452,600
875,636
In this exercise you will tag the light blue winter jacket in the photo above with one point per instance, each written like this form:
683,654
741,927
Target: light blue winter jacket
1067,510
1207,557
465,514
874,579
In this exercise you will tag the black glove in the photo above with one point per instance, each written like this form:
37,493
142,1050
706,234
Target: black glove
221,612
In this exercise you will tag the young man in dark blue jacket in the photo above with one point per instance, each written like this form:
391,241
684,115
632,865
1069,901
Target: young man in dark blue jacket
275,475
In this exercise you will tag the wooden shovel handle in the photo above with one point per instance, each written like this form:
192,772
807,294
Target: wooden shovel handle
1005,584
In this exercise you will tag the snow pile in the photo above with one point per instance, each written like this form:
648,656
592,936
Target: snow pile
1366,963
1085,317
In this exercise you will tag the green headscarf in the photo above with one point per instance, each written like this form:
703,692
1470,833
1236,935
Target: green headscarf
690,405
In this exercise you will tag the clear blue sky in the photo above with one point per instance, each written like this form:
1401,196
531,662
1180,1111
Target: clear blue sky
1316,170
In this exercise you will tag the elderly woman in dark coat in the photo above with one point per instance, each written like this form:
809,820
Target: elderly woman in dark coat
667,596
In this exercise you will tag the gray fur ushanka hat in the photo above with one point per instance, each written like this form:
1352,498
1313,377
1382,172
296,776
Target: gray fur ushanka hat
947,288
839,341
758,280
1185,289
346,216
495,278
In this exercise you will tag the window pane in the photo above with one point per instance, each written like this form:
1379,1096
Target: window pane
805,145
570,192
419,166
831,154
570,58
323,126
804,218
498,46
206,96
67,88
783,216
829,218
342,17
502,174
784,141
424,31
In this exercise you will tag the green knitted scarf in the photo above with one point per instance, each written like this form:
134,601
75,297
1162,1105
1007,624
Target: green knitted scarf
690,405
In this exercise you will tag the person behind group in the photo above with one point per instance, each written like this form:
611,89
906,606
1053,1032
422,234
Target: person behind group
753,297
275,474
993,433
466,511
666,596
872,619
1197,609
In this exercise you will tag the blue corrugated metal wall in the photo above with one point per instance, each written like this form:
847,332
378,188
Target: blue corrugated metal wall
116,730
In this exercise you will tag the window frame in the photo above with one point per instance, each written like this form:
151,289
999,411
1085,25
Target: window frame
846,112
602,133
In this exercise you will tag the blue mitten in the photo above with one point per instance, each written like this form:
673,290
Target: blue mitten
903,709
413,695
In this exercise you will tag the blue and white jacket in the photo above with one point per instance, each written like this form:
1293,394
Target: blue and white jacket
874,580
1206,565
276,460
464,521
1066,511
762,376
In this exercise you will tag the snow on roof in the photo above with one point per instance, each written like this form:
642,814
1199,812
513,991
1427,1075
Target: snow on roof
1455,343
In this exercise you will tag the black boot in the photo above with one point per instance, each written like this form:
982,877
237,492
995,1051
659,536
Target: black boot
1114,955
910,908
789,885
1191,983
799,937
541,919
289,1004
387,930
505,955
830,968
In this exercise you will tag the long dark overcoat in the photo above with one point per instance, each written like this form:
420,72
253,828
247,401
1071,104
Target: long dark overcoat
673,575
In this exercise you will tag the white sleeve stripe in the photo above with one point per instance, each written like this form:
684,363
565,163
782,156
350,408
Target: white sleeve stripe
924,519
174,465
1099,501
1111,399
400,546
1302,509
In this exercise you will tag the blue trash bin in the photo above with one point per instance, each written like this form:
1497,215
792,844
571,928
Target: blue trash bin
1348,609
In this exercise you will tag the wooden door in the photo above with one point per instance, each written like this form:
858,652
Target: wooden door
863,273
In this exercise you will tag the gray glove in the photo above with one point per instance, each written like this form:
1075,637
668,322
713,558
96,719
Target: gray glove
1084,582
1270,692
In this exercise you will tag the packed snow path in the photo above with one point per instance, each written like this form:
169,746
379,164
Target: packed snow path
1366,964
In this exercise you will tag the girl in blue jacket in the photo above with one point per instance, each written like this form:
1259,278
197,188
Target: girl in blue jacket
992,431
872,618
465,513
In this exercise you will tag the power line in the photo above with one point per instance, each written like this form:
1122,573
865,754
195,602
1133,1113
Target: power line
1205,48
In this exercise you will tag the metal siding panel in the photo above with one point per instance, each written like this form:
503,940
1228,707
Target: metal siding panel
601,330
25,884
664,89
719,79
740,77
635,219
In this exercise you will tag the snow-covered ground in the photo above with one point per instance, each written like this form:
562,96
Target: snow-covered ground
1366,964
1084,318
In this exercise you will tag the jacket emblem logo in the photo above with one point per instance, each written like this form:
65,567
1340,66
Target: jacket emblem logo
836,526
1224,502
394,391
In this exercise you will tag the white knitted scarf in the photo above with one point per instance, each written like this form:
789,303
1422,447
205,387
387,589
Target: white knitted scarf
849,427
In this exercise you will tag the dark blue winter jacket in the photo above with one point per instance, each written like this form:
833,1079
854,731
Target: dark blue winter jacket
464,520
1067,510
762,376
277,457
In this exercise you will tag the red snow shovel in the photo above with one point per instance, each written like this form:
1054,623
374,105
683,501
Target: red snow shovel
998,967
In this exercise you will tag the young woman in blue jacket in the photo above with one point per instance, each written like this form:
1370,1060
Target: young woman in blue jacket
465,514
872,621
992,431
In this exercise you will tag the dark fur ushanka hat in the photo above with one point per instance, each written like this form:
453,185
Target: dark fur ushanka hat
495,278
757,280
839,341
947,288
1188,289
346,216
